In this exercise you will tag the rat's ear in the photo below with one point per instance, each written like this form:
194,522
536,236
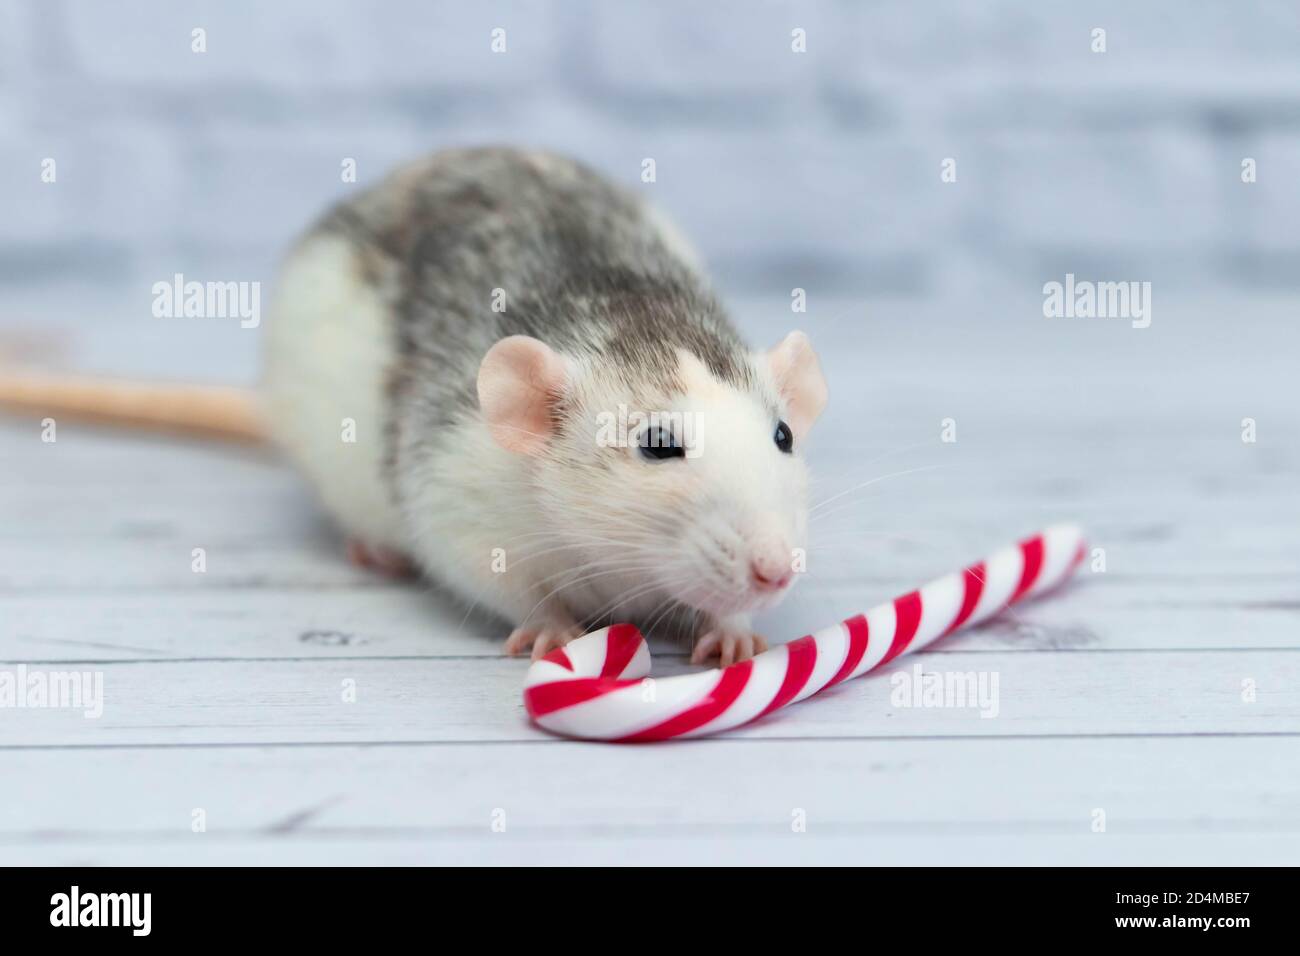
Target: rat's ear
798,376
519,383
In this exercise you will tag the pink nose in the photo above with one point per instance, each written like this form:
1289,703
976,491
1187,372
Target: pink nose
769,575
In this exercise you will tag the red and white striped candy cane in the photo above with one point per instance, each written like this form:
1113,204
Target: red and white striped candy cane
594,689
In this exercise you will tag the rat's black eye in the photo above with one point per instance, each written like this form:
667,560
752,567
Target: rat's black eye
784,440
659,444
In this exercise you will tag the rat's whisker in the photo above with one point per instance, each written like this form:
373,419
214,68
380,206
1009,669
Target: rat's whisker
897,474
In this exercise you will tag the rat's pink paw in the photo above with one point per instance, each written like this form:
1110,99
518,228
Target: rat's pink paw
392,563
728,645
541,639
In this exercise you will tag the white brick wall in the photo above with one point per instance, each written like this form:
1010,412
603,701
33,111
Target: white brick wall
817,169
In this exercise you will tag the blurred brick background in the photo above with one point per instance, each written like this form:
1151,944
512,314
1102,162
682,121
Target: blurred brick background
819,169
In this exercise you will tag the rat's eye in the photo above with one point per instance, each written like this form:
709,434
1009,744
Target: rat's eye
784,440
659,444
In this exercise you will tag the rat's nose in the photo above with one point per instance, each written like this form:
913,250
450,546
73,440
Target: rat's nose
770,572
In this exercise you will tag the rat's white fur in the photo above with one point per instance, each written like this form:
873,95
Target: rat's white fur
629,538
474,525
326,352
532,538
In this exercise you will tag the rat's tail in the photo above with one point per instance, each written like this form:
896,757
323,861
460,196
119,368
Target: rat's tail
207,410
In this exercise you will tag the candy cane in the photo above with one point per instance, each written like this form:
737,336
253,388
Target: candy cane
593,688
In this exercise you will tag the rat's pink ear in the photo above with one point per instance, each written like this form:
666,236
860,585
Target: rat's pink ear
798,376
519,383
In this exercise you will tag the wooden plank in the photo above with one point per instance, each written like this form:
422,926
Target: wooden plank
259,527
913,801
1240,552
714,847
1164,498
1109,612
283,541
478,699
243,623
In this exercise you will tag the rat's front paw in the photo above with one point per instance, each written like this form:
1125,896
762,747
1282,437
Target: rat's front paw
729,643
542,639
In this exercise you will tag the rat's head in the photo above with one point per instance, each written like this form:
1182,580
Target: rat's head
677,468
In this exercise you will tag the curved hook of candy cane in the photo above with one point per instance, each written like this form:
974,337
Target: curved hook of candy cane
597,687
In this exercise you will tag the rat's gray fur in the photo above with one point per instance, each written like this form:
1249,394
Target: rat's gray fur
582,266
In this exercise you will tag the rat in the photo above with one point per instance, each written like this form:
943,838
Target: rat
501,369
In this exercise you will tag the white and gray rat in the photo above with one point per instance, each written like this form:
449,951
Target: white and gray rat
444,355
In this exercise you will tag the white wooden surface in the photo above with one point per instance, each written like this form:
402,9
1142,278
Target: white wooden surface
1121,694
